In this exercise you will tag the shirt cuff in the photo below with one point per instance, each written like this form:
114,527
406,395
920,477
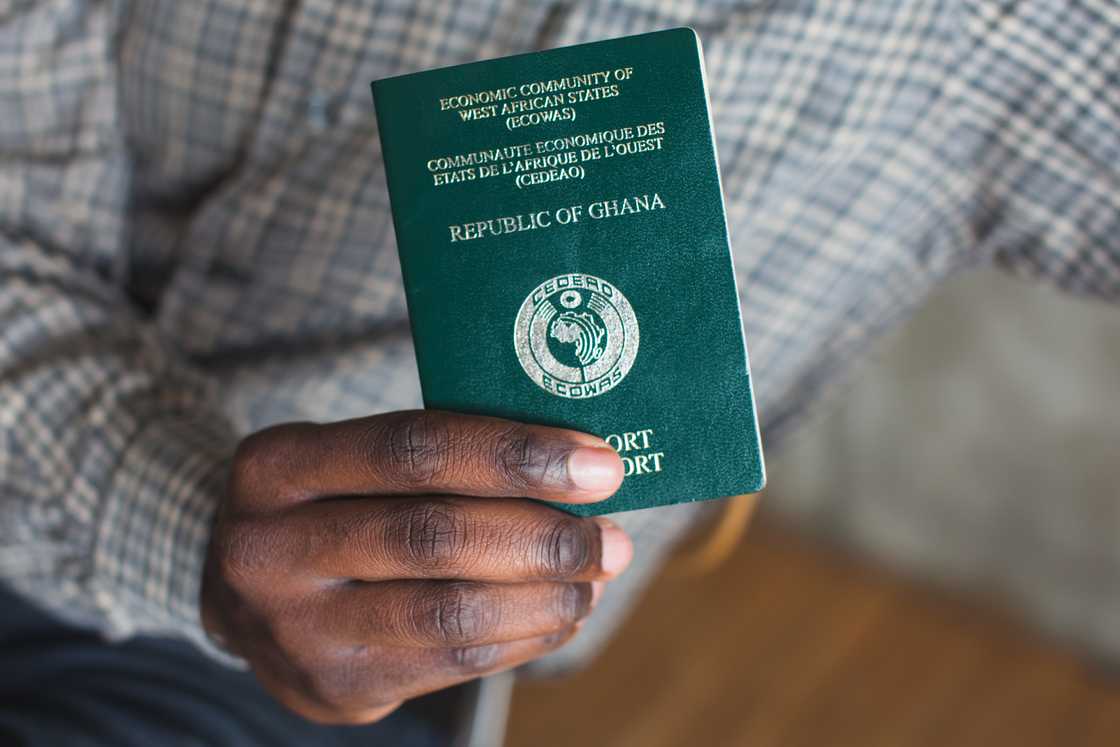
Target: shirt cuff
153,534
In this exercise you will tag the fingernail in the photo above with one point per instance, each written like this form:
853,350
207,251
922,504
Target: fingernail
617,550
595,470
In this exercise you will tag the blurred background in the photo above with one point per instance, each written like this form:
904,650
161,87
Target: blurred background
935,562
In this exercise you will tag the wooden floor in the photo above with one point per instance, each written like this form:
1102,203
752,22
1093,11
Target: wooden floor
793,644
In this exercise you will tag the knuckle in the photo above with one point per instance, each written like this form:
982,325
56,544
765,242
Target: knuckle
248,467
475,659
524,459
567,547
244,550
412,448
429,535
458,614
262,456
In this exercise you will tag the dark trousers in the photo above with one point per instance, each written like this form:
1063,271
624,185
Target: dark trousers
62,686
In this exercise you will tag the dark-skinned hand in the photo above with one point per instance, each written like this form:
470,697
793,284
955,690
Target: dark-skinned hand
358,564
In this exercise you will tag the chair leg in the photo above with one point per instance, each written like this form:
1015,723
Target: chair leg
486,712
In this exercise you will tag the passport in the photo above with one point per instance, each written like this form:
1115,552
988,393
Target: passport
566,261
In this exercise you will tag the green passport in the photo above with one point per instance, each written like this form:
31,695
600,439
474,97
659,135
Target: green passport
565,255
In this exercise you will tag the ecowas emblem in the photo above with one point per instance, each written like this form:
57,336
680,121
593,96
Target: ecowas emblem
576,336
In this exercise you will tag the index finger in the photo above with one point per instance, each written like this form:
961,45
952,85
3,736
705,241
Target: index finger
425,451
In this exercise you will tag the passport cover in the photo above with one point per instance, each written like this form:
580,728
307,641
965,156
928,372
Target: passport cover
565,256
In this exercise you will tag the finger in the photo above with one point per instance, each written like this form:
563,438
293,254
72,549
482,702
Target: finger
485,539
408,673
445,614
426,452
456,665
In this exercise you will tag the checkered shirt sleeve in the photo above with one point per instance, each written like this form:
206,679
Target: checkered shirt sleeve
111,451
195,239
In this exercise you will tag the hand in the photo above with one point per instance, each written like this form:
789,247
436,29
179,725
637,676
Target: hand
358,564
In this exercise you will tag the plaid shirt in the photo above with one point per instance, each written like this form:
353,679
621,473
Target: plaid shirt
195,239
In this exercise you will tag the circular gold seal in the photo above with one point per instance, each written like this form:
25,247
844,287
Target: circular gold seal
576,336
